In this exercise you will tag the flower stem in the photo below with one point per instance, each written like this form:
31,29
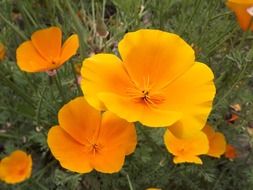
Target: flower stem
18,90
15,28
80,29
58,84
76,79
128,180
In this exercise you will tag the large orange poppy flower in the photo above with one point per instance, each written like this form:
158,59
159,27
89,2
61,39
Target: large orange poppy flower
217,142
45,51
157,82
86,139
240,8
16,167
186,149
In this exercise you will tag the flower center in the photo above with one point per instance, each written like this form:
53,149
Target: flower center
152,99
95,148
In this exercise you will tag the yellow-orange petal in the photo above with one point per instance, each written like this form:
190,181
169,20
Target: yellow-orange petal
117,133
71,154
48,43
109,160
132,110
103,73
155,56
240,8
217,142
188,159
79,120
29,59
192,94
186,149
16,167
69,48
2,51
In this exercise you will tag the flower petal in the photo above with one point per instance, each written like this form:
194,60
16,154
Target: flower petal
69,48
71,154
102,73
117,132
29,59
217,142
131,110
155,56
109,160
79,120
189,159
16,168
240,9
186,149
48,43
192,94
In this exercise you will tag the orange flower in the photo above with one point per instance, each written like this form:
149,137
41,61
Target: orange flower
241,9
153,188
230,152
157,82
16,168
2,51
45,51
186,149
86,139
217,142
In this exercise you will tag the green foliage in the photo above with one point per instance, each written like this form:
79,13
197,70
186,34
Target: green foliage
29,102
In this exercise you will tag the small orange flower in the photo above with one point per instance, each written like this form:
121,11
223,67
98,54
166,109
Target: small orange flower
86,139
45,51
2,51
186,149
230,152
153,188
217,142
157,82
16,167
242,9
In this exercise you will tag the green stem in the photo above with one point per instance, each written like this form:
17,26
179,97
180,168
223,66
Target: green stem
76,79
80,30
4,135
19,92
39,106
15,28
245,34
93,18
150,140
233,86
59,87
128,180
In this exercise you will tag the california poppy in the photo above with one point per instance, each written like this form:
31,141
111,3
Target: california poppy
45,51
2,51
217,142
186,149
230,152
86,139
157,82
16,167
241,8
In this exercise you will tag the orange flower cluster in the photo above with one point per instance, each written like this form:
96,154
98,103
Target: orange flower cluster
156,82
244,12
15,168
